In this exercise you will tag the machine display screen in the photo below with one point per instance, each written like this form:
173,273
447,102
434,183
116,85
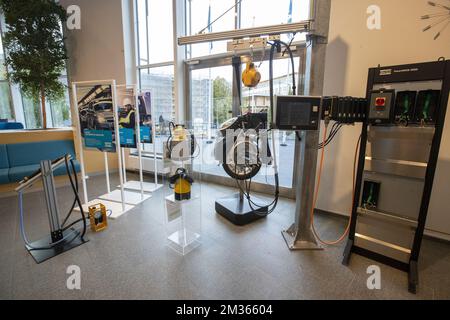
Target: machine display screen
296,113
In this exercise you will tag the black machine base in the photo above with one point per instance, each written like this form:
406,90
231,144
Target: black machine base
238,211
411,267
42,255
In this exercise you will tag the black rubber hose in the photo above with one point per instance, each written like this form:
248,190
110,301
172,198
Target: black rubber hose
76,196
288,48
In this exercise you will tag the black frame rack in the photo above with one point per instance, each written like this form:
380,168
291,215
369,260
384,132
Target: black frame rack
368,236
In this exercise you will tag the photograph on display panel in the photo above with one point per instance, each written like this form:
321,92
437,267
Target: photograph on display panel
145,117
127,117
95,109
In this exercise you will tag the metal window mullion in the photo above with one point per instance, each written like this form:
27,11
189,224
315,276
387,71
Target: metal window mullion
147,31
155,65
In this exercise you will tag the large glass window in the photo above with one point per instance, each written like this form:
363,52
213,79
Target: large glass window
155,31
22,108
31,112
6,111
211,78
200,14
256,13
60,109
156,55
160,82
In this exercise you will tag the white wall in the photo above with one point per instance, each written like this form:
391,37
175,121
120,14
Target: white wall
96,51
352,50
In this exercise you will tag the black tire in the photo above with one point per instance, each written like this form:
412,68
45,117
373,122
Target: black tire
253,172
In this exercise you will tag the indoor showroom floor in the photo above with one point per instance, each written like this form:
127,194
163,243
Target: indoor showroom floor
131,261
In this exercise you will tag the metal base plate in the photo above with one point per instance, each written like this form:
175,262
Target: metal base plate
136,186
43,255
131,197
239,211
295,241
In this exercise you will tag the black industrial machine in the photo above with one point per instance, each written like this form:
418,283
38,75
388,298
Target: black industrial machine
399,152
248,130
246,138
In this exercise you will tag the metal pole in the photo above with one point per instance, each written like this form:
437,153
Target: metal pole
300,236
124,165
117,135
80,142
50,197
138,142
154,153
108,186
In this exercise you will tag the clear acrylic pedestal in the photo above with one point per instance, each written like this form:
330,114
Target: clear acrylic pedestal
183,223
182,217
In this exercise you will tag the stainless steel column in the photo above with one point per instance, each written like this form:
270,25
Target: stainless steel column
50,199
300,236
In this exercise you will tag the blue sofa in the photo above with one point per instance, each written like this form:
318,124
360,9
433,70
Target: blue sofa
20,160
11,126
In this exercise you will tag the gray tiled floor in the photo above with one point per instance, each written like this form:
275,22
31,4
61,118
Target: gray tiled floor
130,259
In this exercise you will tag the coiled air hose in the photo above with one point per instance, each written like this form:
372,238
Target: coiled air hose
316,193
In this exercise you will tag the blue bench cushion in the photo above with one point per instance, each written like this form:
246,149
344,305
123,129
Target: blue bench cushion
18,173
11,126
24,154
4,176
4,163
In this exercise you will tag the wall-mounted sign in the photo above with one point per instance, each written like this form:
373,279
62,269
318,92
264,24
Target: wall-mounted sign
95,109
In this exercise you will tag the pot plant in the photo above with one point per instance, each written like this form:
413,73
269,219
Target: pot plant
35,48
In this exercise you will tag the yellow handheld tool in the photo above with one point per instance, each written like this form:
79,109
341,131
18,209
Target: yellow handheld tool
181,183
98,217
251,75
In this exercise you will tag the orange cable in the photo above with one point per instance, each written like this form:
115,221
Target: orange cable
347,229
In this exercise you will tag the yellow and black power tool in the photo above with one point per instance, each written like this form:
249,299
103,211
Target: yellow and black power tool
98,217
181,137
181,183
251,75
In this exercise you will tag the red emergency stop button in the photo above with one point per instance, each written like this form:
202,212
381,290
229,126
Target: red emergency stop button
380,102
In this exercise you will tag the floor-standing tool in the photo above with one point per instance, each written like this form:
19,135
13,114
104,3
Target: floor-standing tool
61,238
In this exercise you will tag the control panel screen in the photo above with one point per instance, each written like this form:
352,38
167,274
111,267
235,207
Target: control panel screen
296,113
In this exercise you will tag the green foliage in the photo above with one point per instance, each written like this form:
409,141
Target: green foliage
34,43
222,100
